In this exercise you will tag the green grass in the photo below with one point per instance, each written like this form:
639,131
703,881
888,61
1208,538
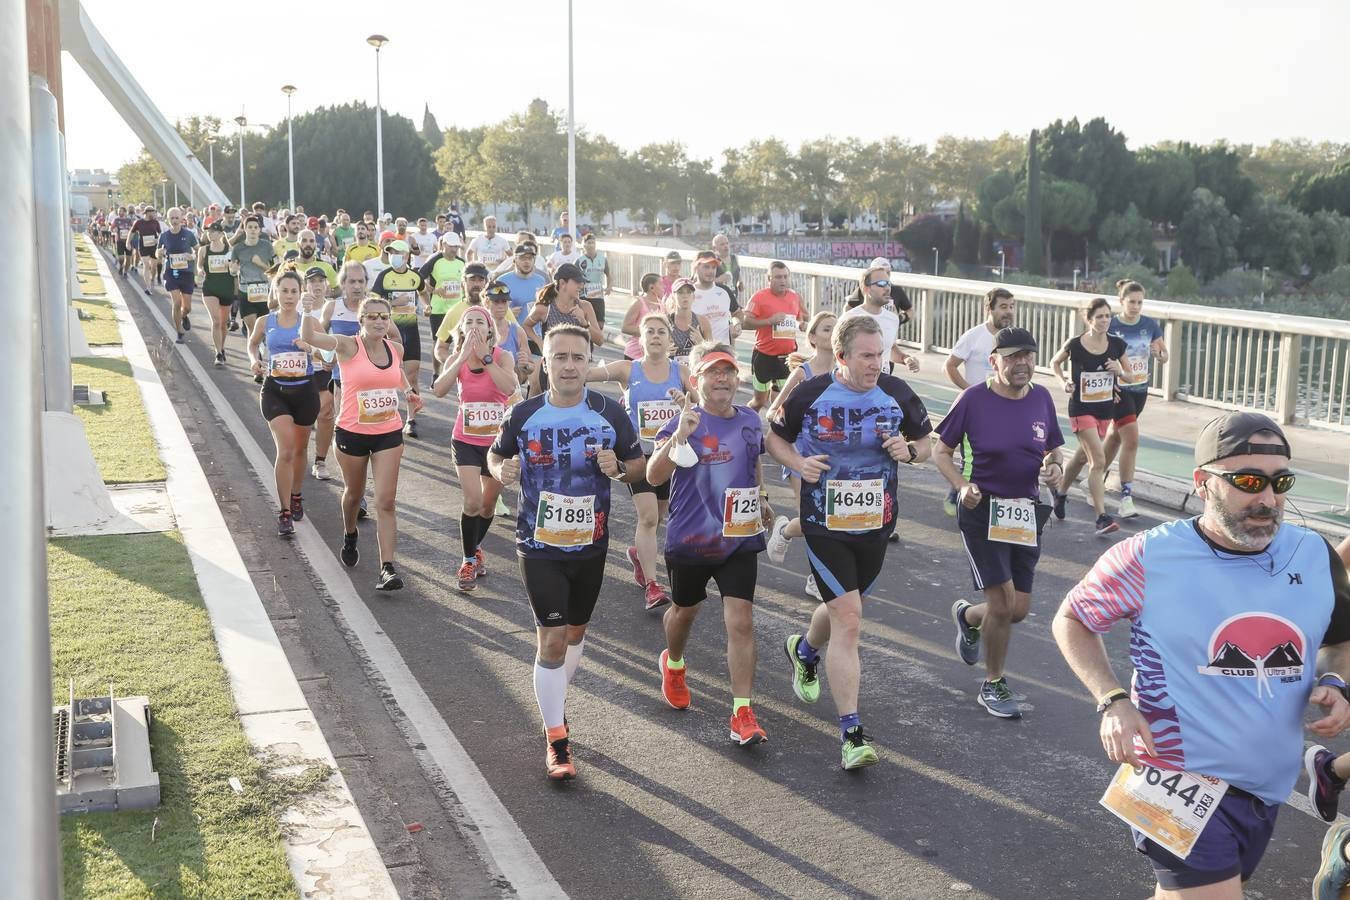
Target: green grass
119,432
102,328
125,609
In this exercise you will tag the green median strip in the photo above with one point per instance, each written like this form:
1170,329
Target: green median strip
119,432
126,610
99,322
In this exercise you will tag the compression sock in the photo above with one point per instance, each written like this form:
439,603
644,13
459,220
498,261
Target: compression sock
846,724
468,535
550,691
805,652
572,661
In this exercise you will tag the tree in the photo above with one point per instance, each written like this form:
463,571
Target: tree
1275,234
965,239
430,130
523,159
920,236
1163,182
1031,229
660,174
605,177
1328,190
815,174
1218,169
1181,283
1279,165
1094,154
1128,231
1330,233
958,166
735,194
992,191
457,161
700,182
139,179
769,174
1208,234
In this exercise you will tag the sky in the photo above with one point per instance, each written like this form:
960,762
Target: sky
718,73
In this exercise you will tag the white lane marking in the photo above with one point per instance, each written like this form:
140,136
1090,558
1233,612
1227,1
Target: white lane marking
514,856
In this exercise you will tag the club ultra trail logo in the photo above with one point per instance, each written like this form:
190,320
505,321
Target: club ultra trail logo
1260,646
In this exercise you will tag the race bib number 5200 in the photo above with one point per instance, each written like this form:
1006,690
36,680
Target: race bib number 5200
1170,806
653,416
854,505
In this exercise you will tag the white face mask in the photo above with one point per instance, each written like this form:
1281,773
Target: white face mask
396,260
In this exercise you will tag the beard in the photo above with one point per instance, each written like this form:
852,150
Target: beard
1240,531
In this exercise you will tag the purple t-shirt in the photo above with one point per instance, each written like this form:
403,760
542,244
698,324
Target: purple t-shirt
700,519
1008,438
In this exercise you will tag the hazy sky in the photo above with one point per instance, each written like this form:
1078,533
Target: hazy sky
716,73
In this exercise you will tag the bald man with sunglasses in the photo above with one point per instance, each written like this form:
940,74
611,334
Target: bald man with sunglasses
1239,621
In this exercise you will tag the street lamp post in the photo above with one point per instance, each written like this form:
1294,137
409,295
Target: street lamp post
192,183
211,149
1002,263
164,193
241,121
937,269
289,89
377,41
1265,270
1076,273
571,136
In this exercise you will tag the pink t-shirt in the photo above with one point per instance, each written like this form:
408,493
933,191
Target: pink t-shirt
482,406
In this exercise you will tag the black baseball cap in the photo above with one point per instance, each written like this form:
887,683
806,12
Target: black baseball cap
1231,434
568,272
315,272
526,247
475,268
1014,340
230,209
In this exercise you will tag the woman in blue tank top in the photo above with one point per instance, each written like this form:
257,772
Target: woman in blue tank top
648,383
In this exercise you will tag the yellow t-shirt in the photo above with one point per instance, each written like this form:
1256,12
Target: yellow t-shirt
361,252
281,245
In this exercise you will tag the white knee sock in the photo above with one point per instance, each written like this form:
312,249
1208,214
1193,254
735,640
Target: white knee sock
550,690
573,659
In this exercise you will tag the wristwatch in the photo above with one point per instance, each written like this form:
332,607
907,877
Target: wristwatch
1331,679
1112,697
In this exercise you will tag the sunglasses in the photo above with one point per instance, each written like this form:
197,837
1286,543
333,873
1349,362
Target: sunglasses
381,316
884,284
1255,482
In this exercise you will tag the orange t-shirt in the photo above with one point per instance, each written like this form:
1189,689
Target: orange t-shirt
780,339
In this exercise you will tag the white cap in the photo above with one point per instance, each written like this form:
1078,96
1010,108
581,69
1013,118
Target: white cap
452,239
880,262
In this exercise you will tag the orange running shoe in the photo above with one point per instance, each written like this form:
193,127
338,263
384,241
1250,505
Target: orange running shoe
744,729
479,563
468,576
558,759
673,687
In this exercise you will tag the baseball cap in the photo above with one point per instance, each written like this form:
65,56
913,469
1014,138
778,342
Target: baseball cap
399,246
526,248
475,268
711,359
496,290
230,209
1013,340
452,239
680,283
707,256
387,236
879,262
313,222
568,272
1230,435
675,255
315,272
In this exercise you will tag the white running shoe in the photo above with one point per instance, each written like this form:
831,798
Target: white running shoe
320,469
811,586
778,540
1126,509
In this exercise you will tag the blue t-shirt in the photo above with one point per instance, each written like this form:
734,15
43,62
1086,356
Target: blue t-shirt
178,252
710,501
1008,438
1138,339
523,289
557,446
1223,644
825,416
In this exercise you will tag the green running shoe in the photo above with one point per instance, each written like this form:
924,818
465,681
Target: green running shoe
805,684
857,752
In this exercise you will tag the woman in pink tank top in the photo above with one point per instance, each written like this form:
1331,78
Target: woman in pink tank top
639,309
369,435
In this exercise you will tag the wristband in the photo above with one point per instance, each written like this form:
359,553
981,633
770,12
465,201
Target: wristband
1112,697
1332,680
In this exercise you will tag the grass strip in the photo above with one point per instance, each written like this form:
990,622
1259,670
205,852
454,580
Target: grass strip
119,431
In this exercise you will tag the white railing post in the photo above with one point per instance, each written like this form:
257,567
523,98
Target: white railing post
1171,370
1286,378
927,312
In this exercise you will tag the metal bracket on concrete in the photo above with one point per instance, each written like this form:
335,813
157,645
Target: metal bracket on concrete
87,396
102,755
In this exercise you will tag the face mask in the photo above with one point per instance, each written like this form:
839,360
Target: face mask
396,260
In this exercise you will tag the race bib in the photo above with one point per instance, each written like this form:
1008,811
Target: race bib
786,328
450,290
1170,806
483,419
740,513
1138,369
854,505
148,241
293,364
1095,387
124,233
653,416
347,242
257,291
593,290
1012,521
376,406
564,521
217,263
180,260
403,298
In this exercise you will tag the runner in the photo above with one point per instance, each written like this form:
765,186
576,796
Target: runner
1096,360
857,424
122,231
290,237
874,282
566,252
474,288
562,229
344,234
442,285
572,442
972,350
309,258
144,241
1009,430
1143,339
687,328
253,257
778,315
595,267
713,301
176,247
645,304
647,386
369,431
559,302
485,378
216,268
525,283
315,302
900,302
340,316
363,248
719,510
514,340
728,267
674,271
401,285
288,399
489,248
455,221
1227,612
1327,776
423,242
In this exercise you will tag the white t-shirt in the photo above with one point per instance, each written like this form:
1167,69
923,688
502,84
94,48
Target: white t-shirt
889,321
373,268
973,349
557,258
424,245
714,304
489,250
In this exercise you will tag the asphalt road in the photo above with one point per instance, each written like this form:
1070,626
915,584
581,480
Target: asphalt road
664,806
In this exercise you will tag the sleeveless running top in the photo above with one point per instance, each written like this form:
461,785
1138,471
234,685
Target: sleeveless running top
219,283
343,321
557,317
482,406
633,349
287,364
648,402
370,392
510,341
685,340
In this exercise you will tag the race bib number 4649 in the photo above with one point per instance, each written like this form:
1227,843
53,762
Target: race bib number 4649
854,505
1169,806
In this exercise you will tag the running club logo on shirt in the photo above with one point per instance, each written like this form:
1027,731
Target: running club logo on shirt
711,452
839,423
1260,646
1038,431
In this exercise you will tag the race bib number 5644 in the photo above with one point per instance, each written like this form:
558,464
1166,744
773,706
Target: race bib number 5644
1170,806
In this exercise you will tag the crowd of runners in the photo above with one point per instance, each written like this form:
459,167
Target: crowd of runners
1238,619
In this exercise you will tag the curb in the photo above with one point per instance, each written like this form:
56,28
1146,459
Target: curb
324,834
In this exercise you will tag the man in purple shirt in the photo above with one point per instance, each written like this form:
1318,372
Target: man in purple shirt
1013,434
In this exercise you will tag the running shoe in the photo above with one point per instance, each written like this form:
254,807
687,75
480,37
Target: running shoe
893,537
805,684
812,588
297,507
320,469
1323,792
558,760
856,751
411,428
967,636
187,324
147,292
998,700
638,575
219,360
1126,509
389,580
949,503
673,688
1058,502
349,554
361,511
234,325
1334,873
656,596
468,576
1106,525
744,729
778,540
179,340
285,527
480,563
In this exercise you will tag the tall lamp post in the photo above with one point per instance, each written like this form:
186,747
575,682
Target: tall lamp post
1002,263
192,184
937,269
241,121
571,135
164,193
211,149
289,89
377,41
